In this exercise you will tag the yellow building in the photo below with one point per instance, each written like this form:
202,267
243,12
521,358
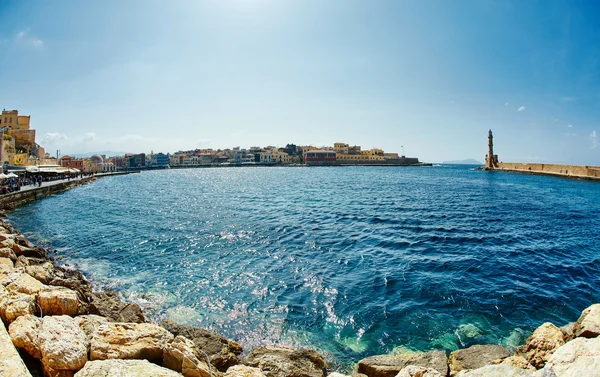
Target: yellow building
19,139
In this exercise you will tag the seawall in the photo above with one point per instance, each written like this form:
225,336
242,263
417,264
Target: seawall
29,194
568,171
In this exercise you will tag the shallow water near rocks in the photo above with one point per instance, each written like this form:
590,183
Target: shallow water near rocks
353,261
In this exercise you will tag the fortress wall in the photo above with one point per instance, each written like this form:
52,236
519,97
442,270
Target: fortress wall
554,169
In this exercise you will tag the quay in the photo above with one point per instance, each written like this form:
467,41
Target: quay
591,173
30,193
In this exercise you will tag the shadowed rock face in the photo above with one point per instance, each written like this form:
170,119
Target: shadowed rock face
391,365
286,362
222,352
107,304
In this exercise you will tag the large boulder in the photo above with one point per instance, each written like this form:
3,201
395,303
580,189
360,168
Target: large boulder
63,345
475,357
588,325
11,364
6,267
7,252
22,283
243,371
277,361
72,279
223,352
391,365
415,371
181,356
58,301
108,304
541,344
89,324
129,341
579,357
500,370
124,368
15,304
40,268
24,333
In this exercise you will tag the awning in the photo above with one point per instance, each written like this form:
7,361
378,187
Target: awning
12,175
3,176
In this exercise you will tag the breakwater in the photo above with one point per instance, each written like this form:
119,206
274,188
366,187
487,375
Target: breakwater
568,171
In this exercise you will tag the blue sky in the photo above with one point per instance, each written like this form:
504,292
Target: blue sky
433,76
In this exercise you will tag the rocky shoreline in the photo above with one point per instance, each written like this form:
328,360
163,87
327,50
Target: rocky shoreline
55,325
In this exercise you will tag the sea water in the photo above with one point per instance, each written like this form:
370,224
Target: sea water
352,261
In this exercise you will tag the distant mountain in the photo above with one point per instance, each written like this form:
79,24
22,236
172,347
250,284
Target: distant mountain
106,153
463,162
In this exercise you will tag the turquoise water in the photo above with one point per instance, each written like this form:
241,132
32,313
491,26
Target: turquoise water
353,261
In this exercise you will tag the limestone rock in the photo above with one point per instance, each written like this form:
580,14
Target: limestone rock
588,325
108,304
518,362
58,301
11,364
72,279
500,370
541,344
223,352
124,368
579,357
181,356
6,262
22,283
277,361
243,371
475,357
415,371
391,365
24,334
129,341
6,268
568,331
7,252
63,344
89,324
40,268
14,304
336,374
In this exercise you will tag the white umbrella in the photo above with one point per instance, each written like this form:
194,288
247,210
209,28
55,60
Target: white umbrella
3,176
12,175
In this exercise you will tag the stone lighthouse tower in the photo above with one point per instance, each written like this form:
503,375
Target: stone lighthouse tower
491,160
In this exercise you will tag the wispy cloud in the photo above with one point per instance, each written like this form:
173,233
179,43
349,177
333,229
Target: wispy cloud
506,104
570,125
570,134
522,108
23,38
568,98
594,138
90,136
54,137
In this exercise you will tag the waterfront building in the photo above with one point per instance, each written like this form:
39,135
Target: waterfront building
137,160
97,164
71,163
320,156
159,160
280,157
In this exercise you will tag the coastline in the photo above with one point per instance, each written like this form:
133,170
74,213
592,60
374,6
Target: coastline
55,291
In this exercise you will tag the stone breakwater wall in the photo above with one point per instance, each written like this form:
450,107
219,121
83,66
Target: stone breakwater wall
54,324
571,171
19,198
